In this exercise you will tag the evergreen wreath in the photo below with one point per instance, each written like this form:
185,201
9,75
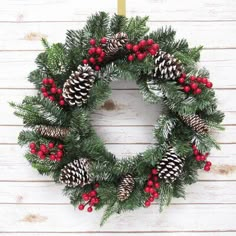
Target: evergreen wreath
74,78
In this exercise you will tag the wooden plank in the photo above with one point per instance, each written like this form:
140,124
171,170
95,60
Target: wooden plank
47,218
120,134
220,63
28,36
125,107
14,167
50,193
76,10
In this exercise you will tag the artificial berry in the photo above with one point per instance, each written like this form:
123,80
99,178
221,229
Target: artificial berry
207,168
54,85
157,185
43,90
50,81
192,78
198,158
198,91
91,51
51,145
103,40
98,50
194,147
96,185
135,48
203,158
150,183
199,80
208,163
85,196
194,86
155,195
85,61
45,94
33,151
59,154
39,153
32,145
92,42
60,146
181,80
61,102
183,75
92,60
147,190
52,98
97,68
93,193
81,207
152,190
45,81
100,59
151,199
150,42
204,80
42,157
155,178
103,54
130,58
52,157
142,43
147,203
186,89
90,209
195,152
152,51
128,46
154,171
53,90
155,46
140,56
43,147
209,84
59,91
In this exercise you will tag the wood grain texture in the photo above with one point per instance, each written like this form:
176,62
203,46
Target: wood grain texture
31,204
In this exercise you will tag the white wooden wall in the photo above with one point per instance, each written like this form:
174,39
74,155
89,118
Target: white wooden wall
31,204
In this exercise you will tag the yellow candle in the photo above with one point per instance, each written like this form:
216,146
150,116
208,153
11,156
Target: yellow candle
121,8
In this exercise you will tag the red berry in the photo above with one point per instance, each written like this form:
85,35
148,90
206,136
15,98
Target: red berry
128,46
103,54
96,200
207,154
198,91
93,193
50,81
194,147
183,75
43,89
91,51
194,86
186,89
81,207
58,158
92,60
208,163
51,145
59,91
98,50
198,158
51,98
33,151
155,195
181,80
90,209
85,196
155,46
207,168
155,178
151,199
59,154
43,147
61,102
60,146
53,90
130,58
147,190
42,157
52,157
135,48
203,158
92,42
150,183
154,171
45,81
40,153
209,84
149,176
97,68
157,185
195,152
150,42
199,80
96,185
45,94
192,78
152,190
204,80
103,40
92,201
147,203
54,85
152,51
100,59
85,61
142,43
140,56
32,145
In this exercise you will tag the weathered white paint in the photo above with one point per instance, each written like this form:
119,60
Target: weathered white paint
31,204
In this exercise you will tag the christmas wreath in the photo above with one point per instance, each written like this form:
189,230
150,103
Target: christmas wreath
73,79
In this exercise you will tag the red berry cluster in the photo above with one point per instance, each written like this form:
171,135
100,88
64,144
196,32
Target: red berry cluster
54,153
90,199
201,157
142,49
151,187
193,86
50,91
96,54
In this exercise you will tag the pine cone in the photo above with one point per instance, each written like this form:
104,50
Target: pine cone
196,123
167,67
76,173
52,131
115,43
76,88
170,166
125,187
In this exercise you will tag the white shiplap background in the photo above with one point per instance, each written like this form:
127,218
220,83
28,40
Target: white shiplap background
31,204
